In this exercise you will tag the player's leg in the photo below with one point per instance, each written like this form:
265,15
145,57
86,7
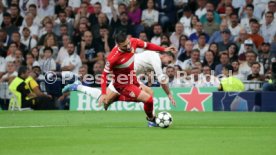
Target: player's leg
135,93
77,86
131,99
146,89
147,99
94,92
110,98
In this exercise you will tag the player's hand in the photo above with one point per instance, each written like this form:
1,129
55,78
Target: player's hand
172,100
171,48
102,100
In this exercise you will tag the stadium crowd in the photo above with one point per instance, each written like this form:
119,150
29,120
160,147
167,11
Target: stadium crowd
77,35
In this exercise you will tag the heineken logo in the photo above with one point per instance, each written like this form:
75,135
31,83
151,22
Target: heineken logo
187,99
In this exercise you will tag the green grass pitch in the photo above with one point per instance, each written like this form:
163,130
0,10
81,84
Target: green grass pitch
125,133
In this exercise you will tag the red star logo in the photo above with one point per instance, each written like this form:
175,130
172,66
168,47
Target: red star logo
194,99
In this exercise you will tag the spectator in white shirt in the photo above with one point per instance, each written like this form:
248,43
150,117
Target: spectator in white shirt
33,10
174,81
157,31
30,61
235,26
46,9
192,29
186,19
268,29
1,12
149,15
202,46
24,6
11,52
29,19
2,66
245,67
174,38
201,8
63,52
208,79
27,39
249,15
49,42
5,93
235,72
257,11
73,62
190,63
74,3
63,20
47,63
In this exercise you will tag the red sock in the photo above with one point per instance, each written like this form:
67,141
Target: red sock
148,107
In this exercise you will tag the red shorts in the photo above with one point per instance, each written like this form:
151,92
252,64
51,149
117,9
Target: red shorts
129,92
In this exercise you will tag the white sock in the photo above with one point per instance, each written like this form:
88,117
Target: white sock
94,92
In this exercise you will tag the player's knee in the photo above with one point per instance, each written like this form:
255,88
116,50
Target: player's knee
149,101
150,91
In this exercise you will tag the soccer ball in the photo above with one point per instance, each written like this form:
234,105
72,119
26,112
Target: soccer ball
164,119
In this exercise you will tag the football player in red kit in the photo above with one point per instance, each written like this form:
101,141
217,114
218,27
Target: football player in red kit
120,62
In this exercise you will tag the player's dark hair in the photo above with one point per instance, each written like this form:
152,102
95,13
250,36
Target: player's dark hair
169,53
120,37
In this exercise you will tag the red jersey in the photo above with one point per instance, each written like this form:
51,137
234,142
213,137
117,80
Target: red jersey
122,64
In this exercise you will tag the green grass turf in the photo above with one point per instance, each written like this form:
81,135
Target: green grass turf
125,133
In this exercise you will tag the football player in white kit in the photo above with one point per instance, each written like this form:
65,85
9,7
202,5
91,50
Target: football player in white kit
143,62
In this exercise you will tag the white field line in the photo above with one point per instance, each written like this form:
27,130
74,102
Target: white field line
31,126
173,126
202,127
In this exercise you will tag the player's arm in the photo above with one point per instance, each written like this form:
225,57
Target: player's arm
107,70
154,47
156,64
104,77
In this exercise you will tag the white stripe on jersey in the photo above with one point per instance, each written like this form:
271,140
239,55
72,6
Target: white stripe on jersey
126,64
107,71
145,44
